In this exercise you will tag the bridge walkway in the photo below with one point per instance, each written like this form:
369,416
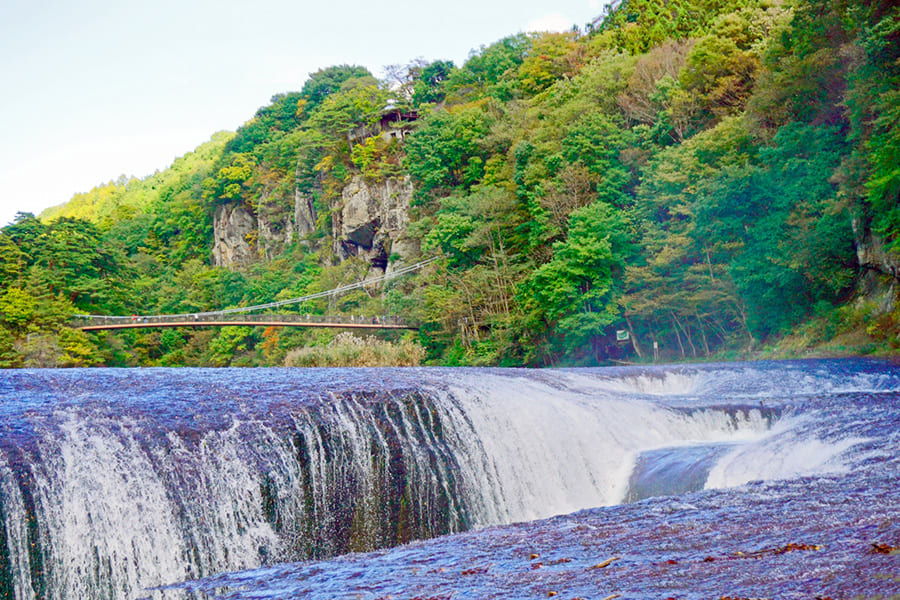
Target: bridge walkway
239,316
101,323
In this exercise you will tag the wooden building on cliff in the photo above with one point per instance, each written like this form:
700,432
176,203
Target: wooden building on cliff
393,123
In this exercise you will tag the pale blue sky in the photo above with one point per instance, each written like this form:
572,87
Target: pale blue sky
95,89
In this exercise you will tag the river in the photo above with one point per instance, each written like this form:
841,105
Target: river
743,480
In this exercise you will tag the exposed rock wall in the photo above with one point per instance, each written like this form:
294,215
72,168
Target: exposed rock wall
304,213
274,227
370,222
881,268
233,227
241,237
373,220
871,252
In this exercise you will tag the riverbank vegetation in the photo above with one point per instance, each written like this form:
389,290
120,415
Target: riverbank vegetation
682,180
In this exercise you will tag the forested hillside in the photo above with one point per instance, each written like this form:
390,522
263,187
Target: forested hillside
704,177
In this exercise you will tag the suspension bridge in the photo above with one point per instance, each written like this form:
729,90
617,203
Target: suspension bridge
243,316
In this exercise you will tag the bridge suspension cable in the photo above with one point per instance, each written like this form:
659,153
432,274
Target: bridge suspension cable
300,299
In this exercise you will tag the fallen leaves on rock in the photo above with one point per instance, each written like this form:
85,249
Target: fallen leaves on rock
550,563
883,548
606,562
792,547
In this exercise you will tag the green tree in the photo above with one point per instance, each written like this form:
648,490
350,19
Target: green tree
229,343
283,114
793,240
448,149
884,156
9,357
490,71
12,261
325,82
721,74
679,290
429,87
874,102
349,108
17,308
77,349
550,57
639,25
232,181
575,296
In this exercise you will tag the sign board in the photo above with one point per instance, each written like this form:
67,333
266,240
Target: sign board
622,335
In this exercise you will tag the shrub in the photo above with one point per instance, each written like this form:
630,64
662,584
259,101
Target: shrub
348,350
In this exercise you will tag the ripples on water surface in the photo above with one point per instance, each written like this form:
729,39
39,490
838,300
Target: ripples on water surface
775,480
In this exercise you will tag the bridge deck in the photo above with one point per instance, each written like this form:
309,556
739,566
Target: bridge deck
107,323
241,317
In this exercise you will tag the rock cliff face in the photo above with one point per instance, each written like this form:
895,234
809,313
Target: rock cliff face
371,223
241,237
304,213
872,254
233,225
882,282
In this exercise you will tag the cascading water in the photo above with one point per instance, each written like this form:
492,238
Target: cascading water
112,495
539,448
116,481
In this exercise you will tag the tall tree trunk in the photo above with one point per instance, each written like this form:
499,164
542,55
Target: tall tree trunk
677,333
702,334
634,340
687,334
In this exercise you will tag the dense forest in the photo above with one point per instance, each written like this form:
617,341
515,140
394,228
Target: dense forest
680,180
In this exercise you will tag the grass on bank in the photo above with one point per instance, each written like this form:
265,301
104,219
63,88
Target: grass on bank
863,328
348,350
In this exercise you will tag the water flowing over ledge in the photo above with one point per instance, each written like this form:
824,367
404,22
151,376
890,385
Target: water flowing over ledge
112,481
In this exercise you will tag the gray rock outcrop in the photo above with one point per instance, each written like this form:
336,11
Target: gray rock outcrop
242,237
373,220
370,222
233,227
881,277
871,252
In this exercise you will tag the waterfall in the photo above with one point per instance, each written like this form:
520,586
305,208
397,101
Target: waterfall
538,450
112,482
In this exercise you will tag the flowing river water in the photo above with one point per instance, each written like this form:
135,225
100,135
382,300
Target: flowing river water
742,480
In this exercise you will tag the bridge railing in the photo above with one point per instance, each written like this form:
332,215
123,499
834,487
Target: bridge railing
201,318
242,315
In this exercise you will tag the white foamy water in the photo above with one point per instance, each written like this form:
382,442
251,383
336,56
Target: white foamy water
537,451
113,482
16,525
780,455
